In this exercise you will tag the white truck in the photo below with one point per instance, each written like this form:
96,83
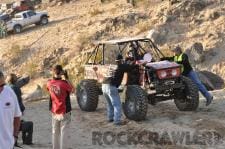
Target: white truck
26,18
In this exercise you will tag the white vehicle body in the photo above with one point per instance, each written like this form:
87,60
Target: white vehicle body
26,18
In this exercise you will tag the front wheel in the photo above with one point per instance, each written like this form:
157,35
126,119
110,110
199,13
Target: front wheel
187,99
136,103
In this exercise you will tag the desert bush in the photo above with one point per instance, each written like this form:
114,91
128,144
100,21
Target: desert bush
30,68
95,12
83,39
143,26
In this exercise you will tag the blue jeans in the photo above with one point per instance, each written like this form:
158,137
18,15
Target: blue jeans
194,77
114,107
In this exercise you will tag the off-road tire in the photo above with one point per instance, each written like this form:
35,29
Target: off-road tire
44,20
190,96
17,29
87,95
136,104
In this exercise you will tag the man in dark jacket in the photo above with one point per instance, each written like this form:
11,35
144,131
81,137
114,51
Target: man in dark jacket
26,126
11,80
110,90
187,70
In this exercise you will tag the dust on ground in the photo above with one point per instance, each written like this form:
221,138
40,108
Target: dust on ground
162,119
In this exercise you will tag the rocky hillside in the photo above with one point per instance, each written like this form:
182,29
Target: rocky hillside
197,25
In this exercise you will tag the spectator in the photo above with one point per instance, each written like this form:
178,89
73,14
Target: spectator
110,91
9,115
11,80
60,106
26,126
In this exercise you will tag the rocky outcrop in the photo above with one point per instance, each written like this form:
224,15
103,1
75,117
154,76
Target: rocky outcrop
196,53
189,7
211,80
127,20
35,95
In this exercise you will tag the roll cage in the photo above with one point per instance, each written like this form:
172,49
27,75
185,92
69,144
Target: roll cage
135,44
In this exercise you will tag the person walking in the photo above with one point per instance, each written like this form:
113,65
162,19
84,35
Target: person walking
187,70
60,105
110,91
9,115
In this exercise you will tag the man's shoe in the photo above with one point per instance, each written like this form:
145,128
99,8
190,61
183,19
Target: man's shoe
110,121
209,101
119,123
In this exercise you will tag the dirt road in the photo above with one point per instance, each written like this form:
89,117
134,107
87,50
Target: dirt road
165,127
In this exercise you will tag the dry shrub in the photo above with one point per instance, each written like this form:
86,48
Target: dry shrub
83,39
143,26
30,68
95,12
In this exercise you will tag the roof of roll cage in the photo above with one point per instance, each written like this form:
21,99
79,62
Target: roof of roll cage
123,40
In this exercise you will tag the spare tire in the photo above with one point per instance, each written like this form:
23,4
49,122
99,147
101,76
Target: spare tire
187,99
87,95
136,103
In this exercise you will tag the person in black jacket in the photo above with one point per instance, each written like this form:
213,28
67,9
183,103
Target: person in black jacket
187,70
26,126
11,80
110,90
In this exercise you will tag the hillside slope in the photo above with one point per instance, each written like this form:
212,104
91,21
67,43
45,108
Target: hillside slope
74,26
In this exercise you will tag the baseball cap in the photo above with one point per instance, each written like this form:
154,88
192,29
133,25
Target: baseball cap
177,48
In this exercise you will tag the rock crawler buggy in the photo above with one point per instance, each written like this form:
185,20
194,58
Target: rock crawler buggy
155,82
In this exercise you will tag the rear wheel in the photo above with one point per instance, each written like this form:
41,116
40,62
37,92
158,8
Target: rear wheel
136,103
87,95
44,20
17,29
188,98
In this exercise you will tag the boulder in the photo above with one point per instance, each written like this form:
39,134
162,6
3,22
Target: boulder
158,35
153,34
189,7
196,52
205,80
35,95
168,18
211,80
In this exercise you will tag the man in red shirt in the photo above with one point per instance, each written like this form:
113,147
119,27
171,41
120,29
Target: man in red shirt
60,105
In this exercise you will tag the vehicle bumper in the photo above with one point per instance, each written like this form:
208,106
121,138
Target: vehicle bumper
166,85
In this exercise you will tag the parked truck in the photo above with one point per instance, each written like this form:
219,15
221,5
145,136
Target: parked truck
26,18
